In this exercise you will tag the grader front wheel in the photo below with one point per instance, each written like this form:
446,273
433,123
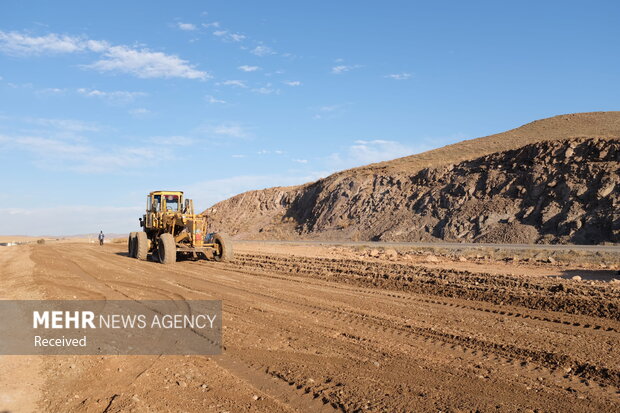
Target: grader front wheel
166,249
131,245
141,246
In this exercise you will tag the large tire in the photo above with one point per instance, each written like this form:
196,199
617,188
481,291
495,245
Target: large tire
131,245
167,249
141,246
224,246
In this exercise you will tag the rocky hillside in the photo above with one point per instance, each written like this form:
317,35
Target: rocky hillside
551,190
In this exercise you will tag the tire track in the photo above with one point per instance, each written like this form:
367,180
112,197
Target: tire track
507,358
281,390
549,360
522,312
539,294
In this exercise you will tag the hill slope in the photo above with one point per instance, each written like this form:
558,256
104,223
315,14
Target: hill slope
553,180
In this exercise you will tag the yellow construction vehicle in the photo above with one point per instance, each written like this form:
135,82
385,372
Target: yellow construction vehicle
171,229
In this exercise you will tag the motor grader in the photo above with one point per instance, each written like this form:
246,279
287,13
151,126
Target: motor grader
171,229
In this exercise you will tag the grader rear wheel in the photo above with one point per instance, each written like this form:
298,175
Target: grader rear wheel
166,249
223,245
141,246
131,243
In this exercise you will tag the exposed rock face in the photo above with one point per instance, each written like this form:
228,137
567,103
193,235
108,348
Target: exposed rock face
551,191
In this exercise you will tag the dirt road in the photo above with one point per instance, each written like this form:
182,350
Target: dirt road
312,333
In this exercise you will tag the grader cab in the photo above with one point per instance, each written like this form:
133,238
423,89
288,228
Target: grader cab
171,229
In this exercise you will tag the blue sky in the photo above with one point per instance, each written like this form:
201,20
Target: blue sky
103,102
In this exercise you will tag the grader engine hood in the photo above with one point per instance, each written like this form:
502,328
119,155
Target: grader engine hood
195,226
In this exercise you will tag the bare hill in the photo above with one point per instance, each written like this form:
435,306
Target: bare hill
553,180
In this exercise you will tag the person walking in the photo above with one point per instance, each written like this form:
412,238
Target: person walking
101,237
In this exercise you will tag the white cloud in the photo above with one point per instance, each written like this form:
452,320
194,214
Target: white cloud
186,26
227,129
118,96
329,111
51,91
247,68
51,128
262,50
276,72
265,90
399,76
65,125
337,70
292,83
237,83
45,146
212,24
172,140
304,161
20,44
267,152
20,85
228,36
234,131
238,156
364,152
97,46
146,64
142,63
50,153
139,112
212,100
236,37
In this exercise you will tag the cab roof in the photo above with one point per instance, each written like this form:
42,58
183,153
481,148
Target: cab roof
166,192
